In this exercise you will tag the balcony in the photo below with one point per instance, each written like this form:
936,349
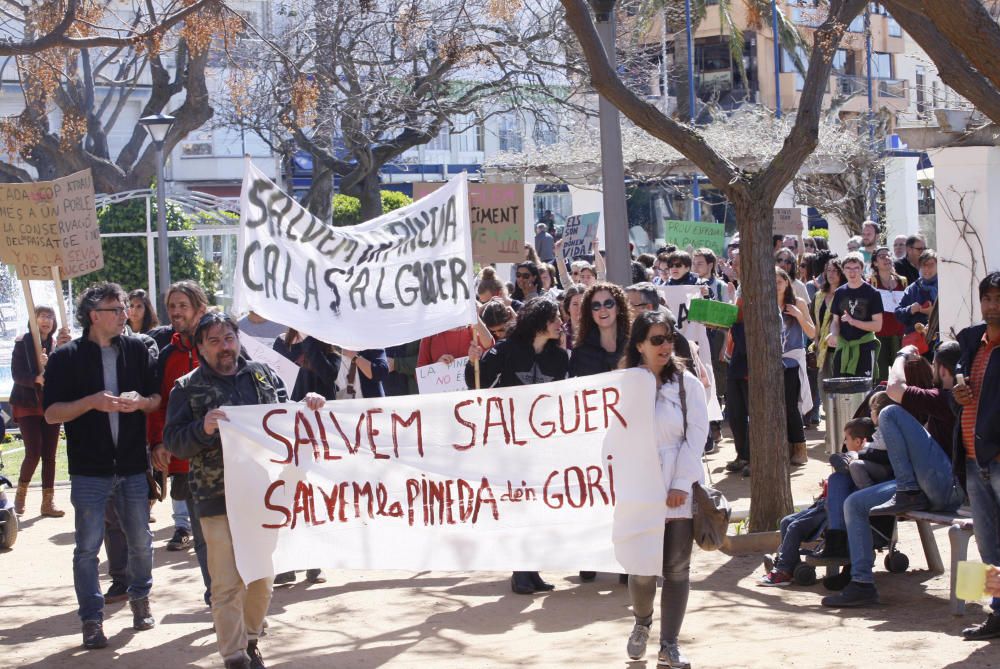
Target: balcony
890,93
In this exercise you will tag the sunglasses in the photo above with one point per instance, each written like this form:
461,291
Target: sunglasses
607,304
675,265
660,340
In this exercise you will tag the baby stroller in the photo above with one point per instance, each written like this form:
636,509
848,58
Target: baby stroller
8,519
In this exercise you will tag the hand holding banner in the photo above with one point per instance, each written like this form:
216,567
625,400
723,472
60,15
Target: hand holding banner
399,277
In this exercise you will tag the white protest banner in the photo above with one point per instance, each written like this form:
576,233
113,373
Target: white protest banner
579,235
285,368
678,299
890,299
393,279
560,475
441,378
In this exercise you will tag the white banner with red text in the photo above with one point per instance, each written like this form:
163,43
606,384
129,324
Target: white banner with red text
396,278
557,476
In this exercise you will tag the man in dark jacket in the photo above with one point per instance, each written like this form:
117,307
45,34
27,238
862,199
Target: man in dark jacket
101,385
192,432
978,433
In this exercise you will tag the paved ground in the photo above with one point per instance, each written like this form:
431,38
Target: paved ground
395,619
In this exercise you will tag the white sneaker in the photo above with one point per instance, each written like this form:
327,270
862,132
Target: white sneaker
637,641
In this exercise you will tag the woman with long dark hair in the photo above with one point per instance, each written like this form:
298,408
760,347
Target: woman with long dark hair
833,278
530,354
141,313
571,309
796,328
40,438
528,281
681,430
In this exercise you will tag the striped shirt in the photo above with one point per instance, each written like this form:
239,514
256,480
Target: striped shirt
976,375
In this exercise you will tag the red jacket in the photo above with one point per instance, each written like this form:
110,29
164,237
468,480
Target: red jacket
455,342
175,361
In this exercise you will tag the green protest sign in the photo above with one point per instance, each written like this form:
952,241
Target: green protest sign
696,235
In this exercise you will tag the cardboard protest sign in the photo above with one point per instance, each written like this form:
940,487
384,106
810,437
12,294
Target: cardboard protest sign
788,221
441,378
559,475
678,299
890,299
579,235
696,234
399,277
497,214
50,224
283,367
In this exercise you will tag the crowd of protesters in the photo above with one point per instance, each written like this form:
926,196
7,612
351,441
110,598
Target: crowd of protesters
140,403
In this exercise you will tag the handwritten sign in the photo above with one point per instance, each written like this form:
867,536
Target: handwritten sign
50,224
890,299
559,475
441,378
579,235
497,218
283,367
395,278
678,300
788,221
697,234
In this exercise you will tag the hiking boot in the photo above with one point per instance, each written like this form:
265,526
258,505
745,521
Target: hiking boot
93,635
256,661
834,546
797,453
180,541
775,577
520,584
19,498
736,465
840,462
539,584
637,640
901,502
855,594
746,472
315,576
142,619
670,656
285,578
715,431
118,592
49,509
988,629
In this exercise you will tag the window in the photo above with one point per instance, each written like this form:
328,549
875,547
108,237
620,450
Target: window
469,135
882,65
894,28
839,65
920,81
509,134
545,132
857,25
442,141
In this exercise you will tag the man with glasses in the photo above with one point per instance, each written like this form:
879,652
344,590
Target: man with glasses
101,385
856,313
909,266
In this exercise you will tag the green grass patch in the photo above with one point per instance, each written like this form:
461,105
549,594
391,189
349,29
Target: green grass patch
12,461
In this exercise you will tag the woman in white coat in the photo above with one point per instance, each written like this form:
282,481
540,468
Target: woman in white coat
681,431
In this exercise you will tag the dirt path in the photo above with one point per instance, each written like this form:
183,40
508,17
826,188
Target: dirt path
435,619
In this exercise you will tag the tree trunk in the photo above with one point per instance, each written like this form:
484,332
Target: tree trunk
319,199
770,488
371,197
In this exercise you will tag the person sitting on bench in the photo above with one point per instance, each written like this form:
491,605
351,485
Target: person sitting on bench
921,453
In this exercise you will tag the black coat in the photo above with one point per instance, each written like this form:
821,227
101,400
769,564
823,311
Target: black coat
511,363
589,357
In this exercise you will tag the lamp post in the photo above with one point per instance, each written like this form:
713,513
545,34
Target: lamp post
695,186
612,169
158,125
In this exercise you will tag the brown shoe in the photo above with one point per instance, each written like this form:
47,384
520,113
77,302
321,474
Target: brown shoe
798,455
19,498
48,505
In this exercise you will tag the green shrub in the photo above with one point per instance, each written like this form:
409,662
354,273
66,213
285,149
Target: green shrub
820,232
125,257
347,209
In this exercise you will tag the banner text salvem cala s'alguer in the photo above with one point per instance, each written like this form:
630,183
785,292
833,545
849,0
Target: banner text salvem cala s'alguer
396,278
560,475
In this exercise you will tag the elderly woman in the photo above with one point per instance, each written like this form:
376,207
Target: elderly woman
681,429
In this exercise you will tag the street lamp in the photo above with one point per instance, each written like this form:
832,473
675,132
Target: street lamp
612,169
158,125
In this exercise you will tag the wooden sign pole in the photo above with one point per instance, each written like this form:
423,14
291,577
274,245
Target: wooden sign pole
63,312
32,323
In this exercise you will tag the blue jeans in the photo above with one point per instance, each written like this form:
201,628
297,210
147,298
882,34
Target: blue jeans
985,499
89,495
795,529
917,460
859,528
839,486
182,521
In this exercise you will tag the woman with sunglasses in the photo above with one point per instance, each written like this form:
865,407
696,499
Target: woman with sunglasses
681,430
528,281
530,354
600,340
884,277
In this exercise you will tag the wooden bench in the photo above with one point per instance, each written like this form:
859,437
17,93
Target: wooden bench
959,532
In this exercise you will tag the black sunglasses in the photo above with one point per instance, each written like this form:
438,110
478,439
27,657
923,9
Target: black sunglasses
607,304
675,265
660,340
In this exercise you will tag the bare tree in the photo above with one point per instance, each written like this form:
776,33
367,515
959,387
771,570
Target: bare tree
89,74
358,83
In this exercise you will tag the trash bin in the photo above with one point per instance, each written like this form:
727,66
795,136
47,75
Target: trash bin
843,397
